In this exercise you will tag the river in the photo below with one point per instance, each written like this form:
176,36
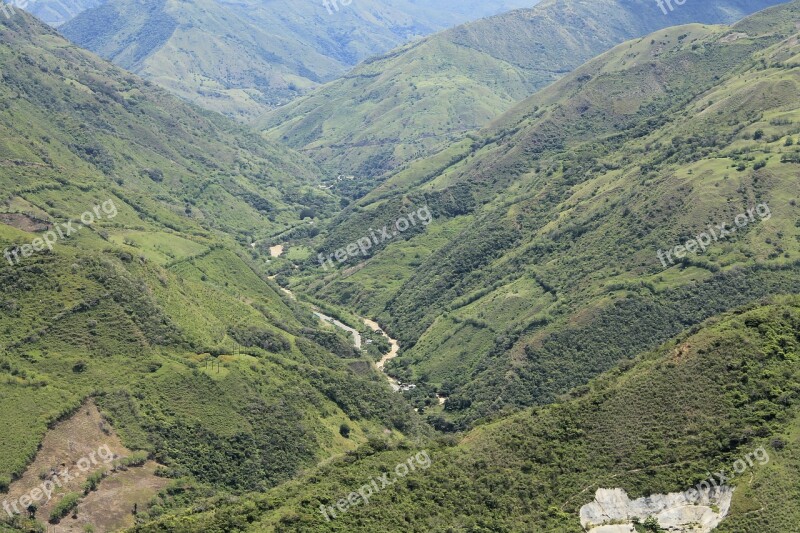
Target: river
357,342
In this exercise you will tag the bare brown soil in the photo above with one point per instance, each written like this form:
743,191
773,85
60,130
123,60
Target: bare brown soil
23,222
75,443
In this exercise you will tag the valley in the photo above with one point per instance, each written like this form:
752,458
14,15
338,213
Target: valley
388,356
219,313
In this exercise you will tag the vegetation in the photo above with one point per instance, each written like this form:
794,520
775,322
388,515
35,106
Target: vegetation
423,98
549,273
161,314
657,424
551,351
93,481
282,48
65,506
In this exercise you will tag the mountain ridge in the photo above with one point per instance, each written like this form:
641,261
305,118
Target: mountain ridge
242,58
398,108
547,224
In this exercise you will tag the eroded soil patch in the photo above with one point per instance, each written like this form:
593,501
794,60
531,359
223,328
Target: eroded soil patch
82,446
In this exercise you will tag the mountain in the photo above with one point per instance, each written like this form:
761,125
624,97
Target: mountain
127,282
545,263
57,12
242,58
190,169
431,93
717,403
598,302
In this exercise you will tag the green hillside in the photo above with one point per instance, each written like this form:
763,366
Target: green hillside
540,269
571,316
429,94
657,424
147,302
243,58
185,167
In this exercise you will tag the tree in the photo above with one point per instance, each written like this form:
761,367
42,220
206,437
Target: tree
651,524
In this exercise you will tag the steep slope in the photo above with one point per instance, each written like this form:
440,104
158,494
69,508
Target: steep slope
124,279
188,166
720,401
541,267
242,58
417,99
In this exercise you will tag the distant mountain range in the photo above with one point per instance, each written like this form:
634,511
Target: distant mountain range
431,93
243,58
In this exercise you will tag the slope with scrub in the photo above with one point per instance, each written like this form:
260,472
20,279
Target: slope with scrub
541,269
659,424
155,310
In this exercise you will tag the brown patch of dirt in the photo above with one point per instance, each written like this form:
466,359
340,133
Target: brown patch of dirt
734,37
111,507
681,352
24,222
81,446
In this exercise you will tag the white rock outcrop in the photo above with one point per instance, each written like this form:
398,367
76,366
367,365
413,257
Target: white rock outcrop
613,512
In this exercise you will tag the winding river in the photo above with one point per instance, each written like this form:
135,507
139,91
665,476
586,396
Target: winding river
381,365
374,326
